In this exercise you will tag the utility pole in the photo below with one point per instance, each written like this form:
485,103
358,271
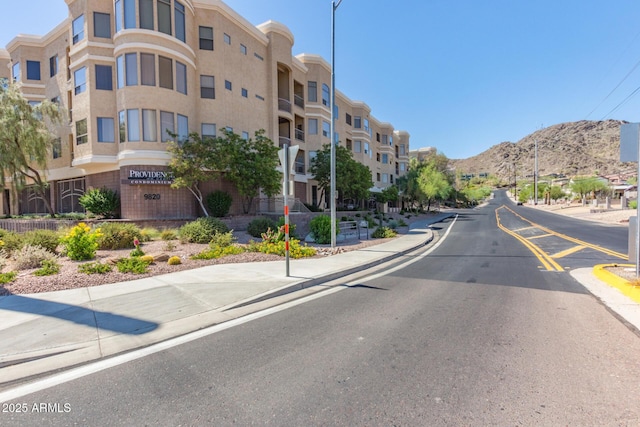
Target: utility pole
332,195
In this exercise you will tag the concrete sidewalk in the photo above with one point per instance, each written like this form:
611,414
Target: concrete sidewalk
41,333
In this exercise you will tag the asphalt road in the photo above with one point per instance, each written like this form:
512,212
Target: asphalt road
476,333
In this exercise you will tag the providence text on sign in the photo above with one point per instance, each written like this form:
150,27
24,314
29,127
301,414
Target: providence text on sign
150,177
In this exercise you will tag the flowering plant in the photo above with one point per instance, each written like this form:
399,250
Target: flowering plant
137,252
81,242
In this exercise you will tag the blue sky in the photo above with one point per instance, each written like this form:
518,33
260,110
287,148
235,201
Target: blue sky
458,75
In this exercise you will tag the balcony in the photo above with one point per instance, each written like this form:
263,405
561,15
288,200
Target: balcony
284,140
299,167
300,135
284,105
298,100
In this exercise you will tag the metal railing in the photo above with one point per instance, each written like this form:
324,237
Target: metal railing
284,105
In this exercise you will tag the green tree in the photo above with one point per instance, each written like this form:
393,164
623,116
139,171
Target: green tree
250,165
353,179
433,184
26,141
588,185
556,192
193,162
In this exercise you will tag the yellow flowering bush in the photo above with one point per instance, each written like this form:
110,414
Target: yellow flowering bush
296,250
81,242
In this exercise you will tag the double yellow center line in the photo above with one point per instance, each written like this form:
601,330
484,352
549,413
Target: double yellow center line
548,260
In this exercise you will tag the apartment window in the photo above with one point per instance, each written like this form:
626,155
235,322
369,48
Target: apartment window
104,77
357,122
122,127
80,80
164,16
120,71
106,129
349,145
378,176
53,65
325,95
367,151
245,93
181,77
245,135
402,167
385,139
206,38
385,178
146,14
243,49
366,126
391,140
180,25
15,71
207,89
118,17
347,119
208,130
377,137
33,70
326,129
313,126
78,29
166,72
81,132
147,69
377,157
227,38
402,150
357,146
312,156
129,14
133,125
131,65
102,25
149,126
312,89
183,127
166,126
227,85
258,56
56,148
385,159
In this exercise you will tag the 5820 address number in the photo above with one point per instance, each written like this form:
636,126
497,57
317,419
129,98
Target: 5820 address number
152,196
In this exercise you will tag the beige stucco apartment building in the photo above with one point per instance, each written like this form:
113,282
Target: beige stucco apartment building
124,71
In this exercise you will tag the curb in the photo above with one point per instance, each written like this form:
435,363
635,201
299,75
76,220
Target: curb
333,276
623,285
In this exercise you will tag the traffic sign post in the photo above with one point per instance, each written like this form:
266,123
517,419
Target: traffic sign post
630,152
285,155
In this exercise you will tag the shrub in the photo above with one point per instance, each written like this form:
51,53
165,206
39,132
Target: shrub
278,248
273,236
3,258
633,204
222,239
169,246
132,265
47,239
216,251
94,268
31,257
81,243
101,201
48,267
202,230
148,234
393,224
168,235
219,203
321,228
116,235
383,233
174,260
11,241
260,225
8,277
401,223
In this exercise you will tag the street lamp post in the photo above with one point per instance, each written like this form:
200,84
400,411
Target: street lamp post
332,195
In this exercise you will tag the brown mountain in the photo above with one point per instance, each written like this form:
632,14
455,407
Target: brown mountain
575,148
